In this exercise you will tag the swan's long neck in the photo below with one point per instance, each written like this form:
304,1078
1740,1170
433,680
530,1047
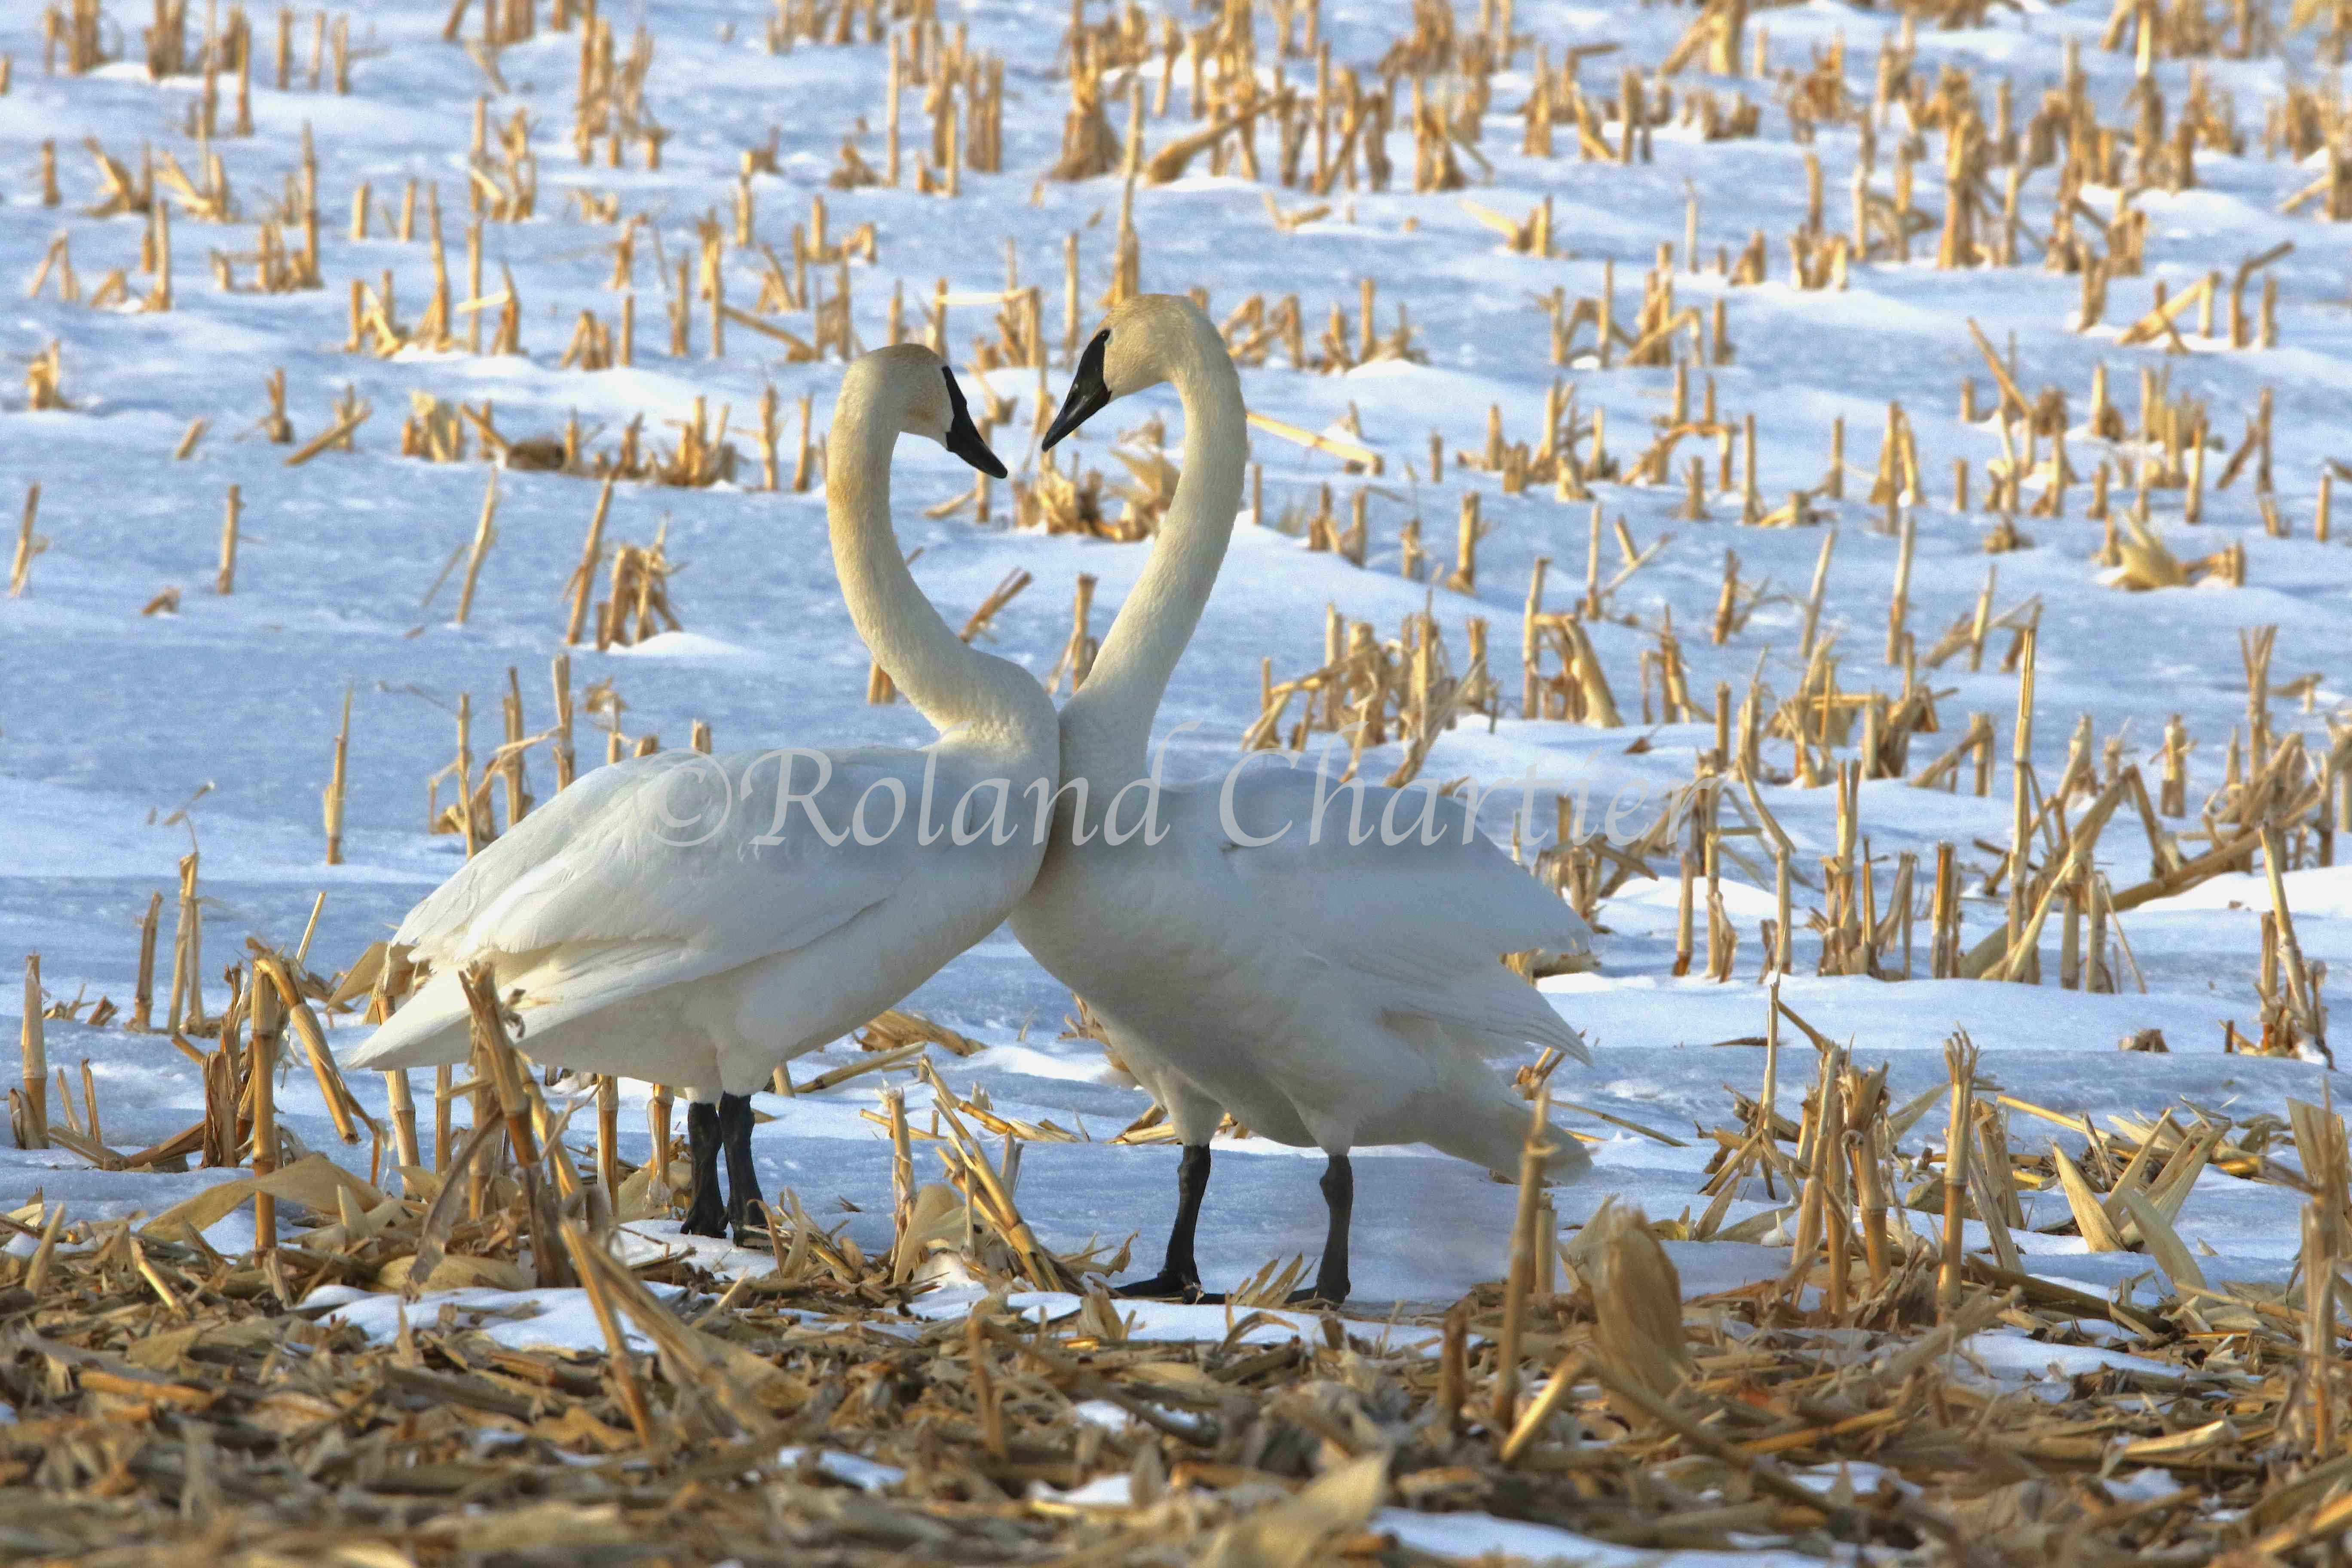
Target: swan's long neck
940,676
1106,725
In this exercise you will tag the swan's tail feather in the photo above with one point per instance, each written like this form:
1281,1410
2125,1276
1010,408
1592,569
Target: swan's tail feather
433,1028
1571,1162
1494,1132
605,986
1493,1016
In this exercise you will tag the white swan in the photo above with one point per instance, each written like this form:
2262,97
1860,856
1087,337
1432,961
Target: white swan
1327,993
678,919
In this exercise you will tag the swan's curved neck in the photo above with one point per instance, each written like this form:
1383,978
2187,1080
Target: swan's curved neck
1107,724
941,674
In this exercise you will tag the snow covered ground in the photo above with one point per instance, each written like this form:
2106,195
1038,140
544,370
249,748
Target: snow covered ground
109,719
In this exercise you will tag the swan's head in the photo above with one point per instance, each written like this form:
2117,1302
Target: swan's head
910,388
1141,342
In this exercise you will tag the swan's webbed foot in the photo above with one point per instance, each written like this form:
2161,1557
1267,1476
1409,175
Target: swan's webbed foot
1167,1287
1318,1295
1178,1279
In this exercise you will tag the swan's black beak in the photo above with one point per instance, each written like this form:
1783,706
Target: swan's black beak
963,436
1087,395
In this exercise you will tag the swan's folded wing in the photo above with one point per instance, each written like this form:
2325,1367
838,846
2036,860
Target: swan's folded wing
632,888
442,916
1426,925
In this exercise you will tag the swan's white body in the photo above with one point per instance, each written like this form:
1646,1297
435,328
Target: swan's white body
623,952
1328,993
636,931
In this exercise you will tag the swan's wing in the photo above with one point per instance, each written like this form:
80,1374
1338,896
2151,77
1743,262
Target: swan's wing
670,856
441,919
644,881
1422,926
659,852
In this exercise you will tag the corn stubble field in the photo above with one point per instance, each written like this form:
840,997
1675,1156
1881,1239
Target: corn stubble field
1894,447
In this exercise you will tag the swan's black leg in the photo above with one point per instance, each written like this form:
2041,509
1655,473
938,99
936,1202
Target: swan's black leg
706,1215
744,1206
1340,1194
1180,1275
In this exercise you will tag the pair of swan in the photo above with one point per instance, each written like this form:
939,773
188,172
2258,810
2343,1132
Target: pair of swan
1328,992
